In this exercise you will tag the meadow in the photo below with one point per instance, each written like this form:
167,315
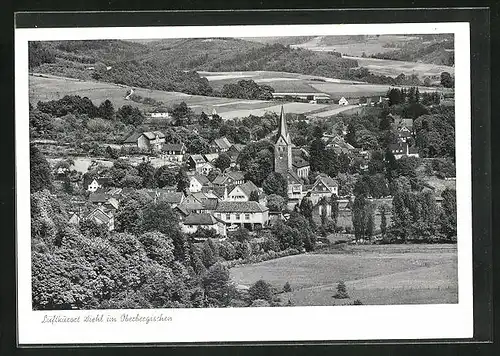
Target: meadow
374,274
394,68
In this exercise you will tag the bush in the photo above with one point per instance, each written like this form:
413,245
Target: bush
260,303
261,290
357,302
287,288
341,291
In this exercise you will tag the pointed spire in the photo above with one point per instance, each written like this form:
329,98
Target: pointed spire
282,129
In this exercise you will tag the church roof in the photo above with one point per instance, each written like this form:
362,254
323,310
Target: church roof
282,128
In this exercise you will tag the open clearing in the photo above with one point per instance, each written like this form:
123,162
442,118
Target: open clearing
374,274
393,68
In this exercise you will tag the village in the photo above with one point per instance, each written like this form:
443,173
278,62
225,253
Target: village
228,201
200,191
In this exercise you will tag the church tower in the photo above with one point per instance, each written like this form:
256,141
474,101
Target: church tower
283,148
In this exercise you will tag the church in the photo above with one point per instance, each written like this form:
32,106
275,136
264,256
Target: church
283,161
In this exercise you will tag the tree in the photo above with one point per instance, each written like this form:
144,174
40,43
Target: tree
275,202
182,180
217,286
159,217
111,152
165,176
147,173
316,155
106,110
261,290
359,217
383,219
334,214
447,80
222,162
254,196
209,253
306,208
40,173
448,217
341,291
287,288
350,137
41,124
275,183
130,115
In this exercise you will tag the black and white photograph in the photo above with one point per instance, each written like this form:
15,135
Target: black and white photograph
263,170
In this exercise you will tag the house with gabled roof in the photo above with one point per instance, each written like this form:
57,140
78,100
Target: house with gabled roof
197,182
243,191
101,217
229,178
97,183
194,221
198,163
173,152
300,166
210,157
248,214
172,198
221,144
324,186
149,140
105,200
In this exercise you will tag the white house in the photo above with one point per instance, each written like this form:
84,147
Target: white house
153,140
343,101
402,148
195,221
220,145
97,183
197,182
173,152
242,192
324,186
248,214
229,178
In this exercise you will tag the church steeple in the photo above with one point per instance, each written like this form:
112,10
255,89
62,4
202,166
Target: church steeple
282,147
282,128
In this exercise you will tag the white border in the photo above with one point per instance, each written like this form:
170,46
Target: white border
252,324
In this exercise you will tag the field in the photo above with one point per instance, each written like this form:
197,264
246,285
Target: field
394,68
374,274
369,46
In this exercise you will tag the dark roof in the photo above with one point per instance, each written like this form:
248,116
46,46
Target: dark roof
98,198
236,175
133,138
248,188
202,179
173,147
200,219
99,216
292,177
240,207
299,162
398,146
196,205
218,191
326,180
210,203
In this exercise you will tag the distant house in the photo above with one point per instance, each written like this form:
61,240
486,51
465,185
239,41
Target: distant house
150,140
310,97
173,152
404,134
104,200
74,219
195,221
197,182
162,115
99,216
248,214
243,191
343,101
196,161
294,189
172,198
220,145
402,149
98,183
229,178
323,187
234,152
301,166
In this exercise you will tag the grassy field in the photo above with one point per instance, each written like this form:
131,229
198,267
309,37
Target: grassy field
374,274
369,46
394,68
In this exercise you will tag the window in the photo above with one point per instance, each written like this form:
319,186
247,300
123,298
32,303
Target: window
237,216
247,216
228,216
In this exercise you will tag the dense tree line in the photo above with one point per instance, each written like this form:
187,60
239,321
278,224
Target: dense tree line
247,89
